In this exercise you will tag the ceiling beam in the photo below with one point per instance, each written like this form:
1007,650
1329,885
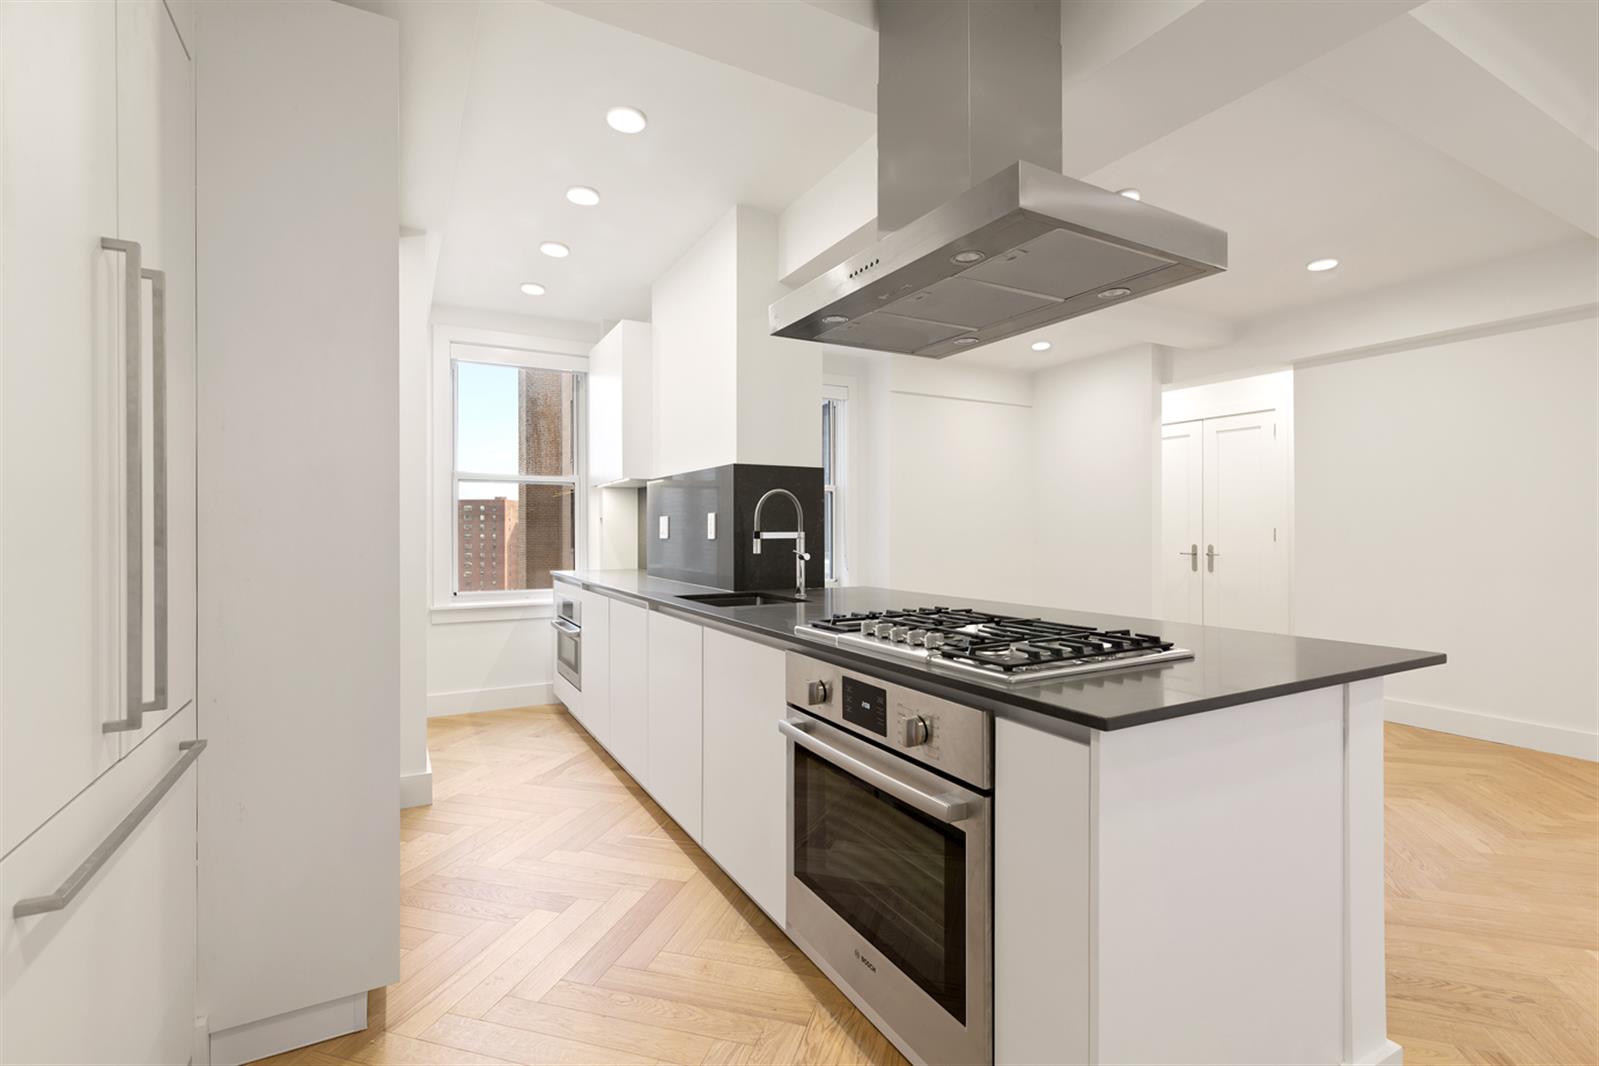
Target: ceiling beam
1411,77
1206,57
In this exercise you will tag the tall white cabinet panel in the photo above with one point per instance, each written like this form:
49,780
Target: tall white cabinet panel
675,693
110,978
746,767
60,600
298,117
621,405
596,716
630,688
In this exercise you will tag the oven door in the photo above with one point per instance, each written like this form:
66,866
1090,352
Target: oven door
569,651
889,887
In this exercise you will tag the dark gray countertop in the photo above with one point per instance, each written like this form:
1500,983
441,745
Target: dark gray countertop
1230,666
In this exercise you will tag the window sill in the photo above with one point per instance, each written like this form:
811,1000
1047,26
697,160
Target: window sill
490,611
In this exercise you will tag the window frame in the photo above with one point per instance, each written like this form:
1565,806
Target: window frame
837,391
453,345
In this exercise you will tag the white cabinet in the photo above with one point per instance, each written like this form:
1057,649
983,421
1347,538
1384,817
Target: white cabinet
98,144
621,406
675,755
596,699
630,688
746,767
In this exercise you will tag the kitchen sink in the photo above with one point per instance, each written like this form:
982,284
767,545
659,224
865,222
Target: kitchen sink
738,599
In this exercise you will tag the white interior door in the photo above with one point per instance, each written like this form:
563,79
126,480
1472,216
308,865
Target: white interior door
1182,514
1244,555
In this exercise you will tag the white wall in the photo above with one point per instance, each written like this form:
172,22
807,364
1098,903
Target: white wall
1096,446
299,573
832,220
1446,501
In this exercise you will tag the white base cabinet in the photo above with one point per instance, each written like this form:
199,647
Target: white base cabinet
675,694
630,688
596,696
746,767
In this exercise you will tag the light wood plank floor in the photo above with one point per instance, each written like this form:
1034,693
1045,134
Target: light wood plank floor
551,913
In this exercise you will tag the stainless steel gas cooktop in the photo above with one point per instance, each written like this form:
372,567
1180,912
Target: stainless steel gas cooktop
990,647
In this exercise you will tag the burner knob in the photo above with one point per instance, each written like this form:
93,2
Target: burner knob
918,731
900,634
816,692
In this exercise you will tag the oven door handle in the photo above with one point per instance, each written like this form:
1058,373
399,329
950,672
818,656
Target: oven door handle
947,808
565,627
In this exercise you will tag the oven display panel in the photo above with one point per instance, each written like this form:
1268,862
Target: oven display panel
866,706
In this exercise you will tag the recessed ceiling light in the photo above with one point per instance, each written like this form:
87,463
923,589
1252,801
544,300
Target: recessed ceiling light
1041,346
1131,194
1111,294
532,288
626,119
973,256
583,196
834,320
1318,265
555,249
965,340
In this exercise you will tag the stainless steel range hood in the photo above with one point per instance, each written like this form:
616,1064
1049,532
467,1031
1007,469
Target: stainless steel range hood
988,238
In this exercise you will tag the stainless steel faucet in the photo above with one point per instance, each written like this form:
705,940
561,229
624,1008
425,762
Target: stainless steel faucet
801,556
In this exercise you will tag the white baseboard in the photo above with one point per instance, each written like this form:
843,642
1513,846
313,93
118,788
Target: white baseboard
285,1032
490,699
416,789
1389,1054
1522,734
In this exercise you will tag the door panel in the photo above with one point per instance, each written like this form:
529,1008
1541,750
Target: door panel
630,688
60,598
676,687
1182,520
1246,579
597,666
155,207
110,978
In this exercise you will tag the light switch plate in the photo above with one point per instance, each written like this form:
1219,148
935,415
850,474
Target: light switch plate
664,526
710,525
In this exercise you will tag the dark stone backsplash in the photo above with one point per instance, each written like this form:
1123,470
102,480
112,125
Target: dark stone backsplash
731,492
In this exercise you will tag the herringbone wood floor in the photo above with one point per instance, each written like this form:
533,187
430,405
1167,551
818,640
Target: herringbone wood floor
551,913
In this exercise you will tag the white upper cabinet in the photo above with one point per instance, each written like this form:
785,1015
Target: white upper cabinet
621,406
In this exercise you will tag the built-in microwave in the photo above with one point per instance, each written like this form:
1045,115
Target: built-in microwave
568,625
890,855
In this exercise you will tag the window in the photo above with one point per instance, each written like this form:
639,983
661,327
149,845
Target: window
517,476
835,458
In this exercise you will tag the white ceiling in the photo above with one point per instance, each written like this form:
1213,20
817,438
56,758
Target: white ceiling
1403,139
532,83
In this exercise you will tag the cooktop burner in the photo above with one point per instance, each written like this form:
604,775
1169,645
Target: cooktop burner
994,647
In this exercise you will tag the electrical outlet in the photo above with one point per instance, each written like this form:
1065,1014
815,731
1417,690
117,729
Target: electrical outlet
710,525
664,527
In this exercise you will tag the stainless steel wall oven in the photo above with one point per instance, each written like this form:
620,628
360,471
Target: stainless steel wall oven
890,845
568,626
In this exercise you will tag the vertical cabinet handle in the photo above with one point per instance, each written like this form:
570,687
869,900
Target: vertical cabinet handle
133,563
158,489
1210,557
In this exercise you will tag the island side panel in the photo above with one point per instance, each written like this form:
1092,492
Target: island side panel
1041,904
1219,885
1365,981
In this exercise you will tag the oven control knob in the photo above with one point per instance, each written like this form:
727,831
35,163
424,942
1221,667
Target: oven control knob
816,692
918,731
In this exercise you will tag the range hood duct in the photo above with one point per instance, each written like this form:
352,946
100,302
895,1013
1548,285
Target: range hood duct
980,235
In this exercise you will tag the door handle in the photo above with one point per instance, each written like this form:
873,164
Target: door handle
133,463
1210,557
1193,557
158,488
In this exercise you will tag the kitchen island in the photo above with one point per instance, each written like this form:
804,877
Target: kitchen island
1186,856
